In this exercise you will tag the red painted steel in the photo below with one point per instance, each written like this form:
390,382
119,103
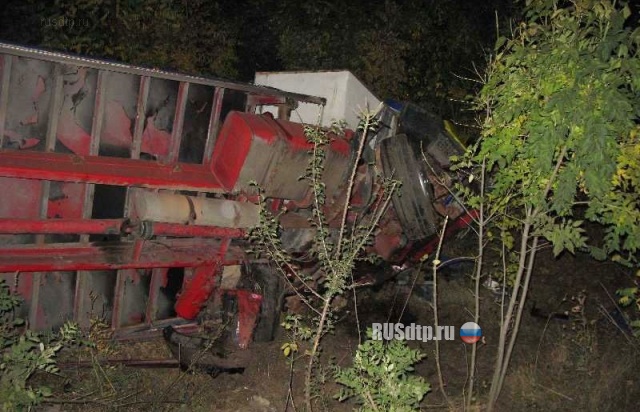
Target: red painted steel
240,133
248,310
274,154
196,291
153,254
113,227
234,142
61,226
107,170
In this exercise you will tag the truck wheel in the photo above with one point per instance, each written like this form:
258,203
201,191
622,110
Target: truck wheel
269,283
413,201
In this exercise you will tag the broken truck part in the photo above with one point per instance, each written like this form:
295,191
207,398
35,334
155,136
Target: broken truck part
126,192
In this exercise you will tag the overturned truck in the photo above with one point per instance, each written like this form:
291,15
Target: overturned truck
125,191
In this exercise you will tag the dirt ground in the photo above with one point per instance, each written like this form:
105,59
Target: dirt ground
581,363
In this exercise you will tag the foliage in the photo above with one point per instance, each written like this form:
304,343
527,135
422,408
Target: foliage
381,378
561,137
298,331
188,36
9,325
559,144
630,297
23,353
413,50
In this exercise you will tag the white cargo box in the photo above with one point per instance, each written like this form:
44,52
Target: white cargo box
346,95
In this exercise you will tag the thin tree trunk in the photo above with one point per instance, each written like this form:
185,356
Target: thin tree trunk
476,315
504,328
314,351
516,327
436,262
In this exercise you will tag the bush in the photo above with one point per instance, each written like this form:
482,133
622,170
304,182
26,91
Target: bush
381,378
23,353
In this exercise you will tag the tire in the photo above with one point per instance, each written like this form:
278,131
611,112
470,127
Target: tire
268,282
413,201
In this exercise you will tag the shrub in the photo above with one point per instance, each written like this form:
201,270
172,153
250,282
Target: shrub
382,377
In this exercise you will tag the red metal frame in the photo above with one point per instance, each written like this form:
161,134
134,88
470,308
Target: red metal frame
114,227
107,170
61,226
123,111
197,290
248,311
152,254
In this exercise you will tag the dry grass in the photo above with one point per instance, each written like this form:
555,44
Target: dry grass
578,369
559,366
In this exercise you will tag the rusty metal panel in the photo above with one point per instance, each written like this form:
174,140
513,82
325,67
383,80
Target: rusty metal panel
52,306
61,226
132,296
40,307
94,296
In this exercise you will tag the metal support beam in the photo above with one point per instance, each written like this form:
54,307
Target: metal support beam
214,124
107,170
113,227
61,226
7,61
110,256
178,122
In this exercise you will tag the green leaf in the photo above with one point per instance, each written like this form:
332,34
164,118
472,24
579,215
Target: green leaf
597,253
500,42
